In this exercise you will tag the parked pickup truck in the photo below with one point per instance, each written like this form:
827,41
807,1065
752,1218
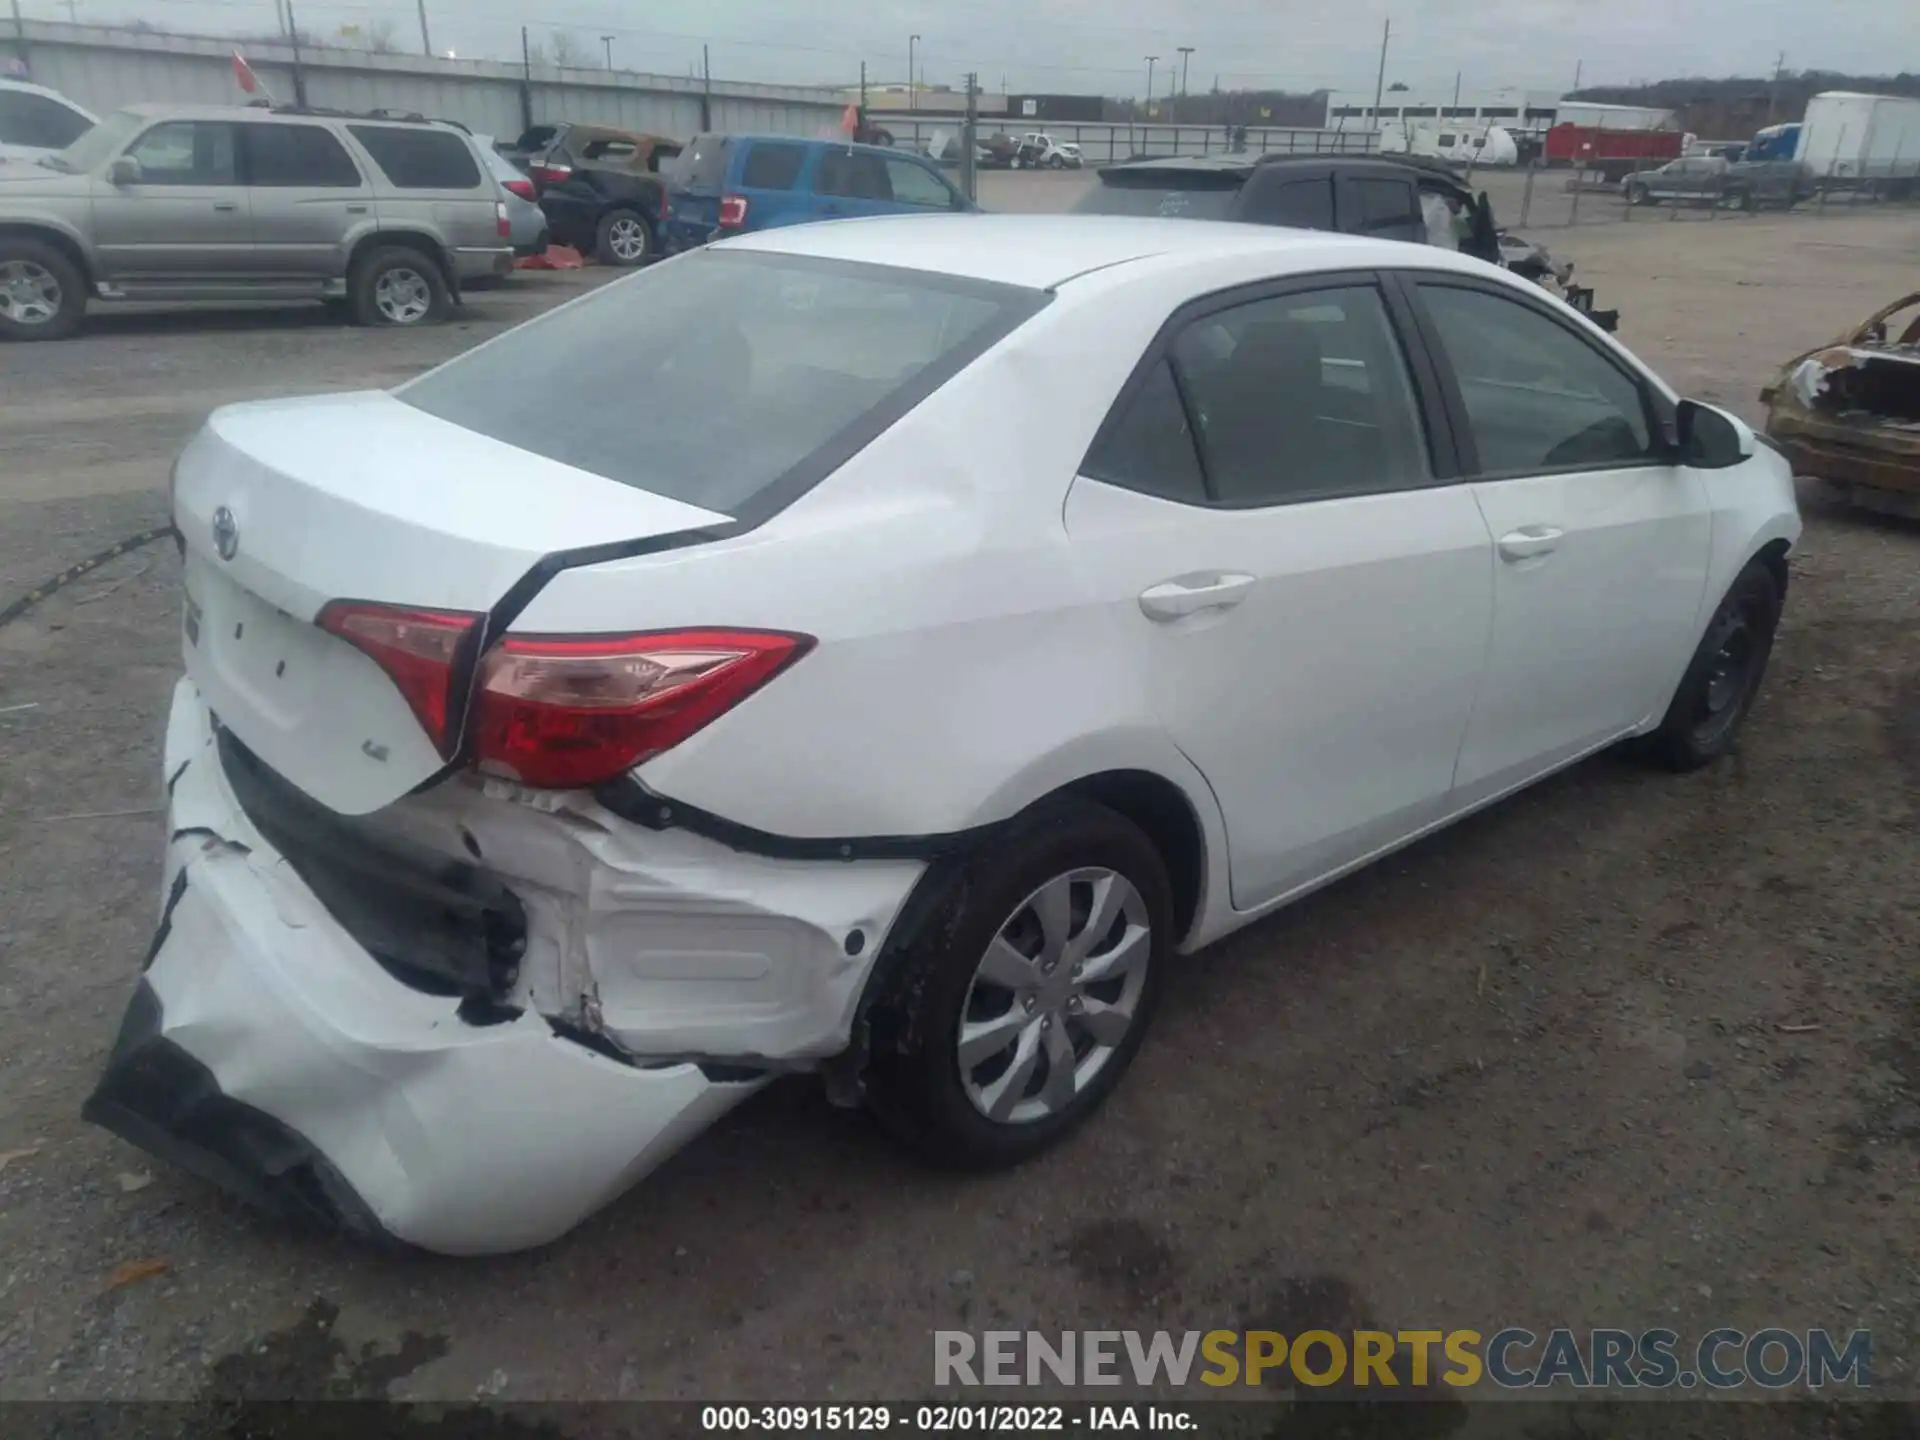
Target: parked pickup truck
1711,180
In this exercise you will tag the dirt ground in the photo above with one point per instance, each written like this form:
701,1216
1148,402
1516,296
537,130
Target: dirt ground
1628,1050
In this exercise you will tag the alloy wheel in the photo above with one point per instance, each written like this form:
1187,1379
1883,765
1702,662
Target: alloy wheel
29,293
403,296
627,238
1054,996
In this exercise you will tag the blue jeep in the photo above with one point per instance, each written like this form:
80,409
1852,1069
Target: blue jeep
730,184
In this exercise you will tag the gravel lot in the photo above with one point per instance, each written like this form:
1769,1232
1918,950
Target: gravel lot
1628,1050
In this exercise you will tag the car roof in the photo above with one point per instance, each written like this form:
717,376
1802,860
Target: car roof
1244,165
160,110
29,87
1042,252
755,138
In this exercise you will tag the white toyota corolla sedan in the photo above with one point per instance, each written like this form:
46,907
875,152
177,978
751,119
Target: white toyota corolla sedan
881,649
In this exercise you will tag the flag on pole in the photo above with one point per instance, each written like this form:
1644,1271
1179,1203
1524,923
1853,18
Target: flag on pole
243,72
850,121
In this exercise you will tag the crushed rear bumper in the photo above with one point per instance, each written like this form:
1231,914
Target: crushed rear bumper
266,1050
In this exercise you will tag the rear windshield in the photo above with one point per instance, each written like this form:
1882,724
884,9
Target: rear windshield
730,380
703,164
1188,195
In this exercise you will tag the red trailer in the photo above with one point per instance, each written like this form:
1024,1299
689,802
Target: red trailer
1612,153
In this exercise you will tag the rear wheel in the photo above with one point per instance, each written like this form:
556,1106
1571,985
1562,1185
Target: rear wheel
1057,162
398,287
42,296
1724,677
1636,195
623,237
1020,1001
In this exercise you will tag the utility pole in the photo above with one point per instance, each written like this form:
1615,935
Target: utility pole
1186,53
969,138
1773,90
1456,89
706,90
1380,84
299,71
20,40
913,98
426,45
1150,60
863,89
1578,66
607,41
526,80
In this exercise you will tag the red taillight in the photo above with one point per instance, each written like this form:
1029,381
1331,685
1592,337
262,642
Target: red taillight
562,713
733,211
501,223
550,174
415,648
666,206
523,188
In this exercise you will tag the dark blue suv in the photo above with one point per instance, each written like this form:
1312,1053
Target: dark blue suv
731,184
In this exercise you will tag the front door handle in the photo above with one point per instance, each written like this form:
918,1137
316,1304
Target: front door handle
1529,541
225,207
356,209
1190,594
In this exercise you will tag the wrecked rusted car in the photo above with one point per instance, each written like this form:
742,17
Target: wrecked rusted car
1848,413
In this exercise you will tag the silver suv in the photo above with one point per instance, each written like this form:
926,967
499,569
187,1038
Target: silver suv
170,202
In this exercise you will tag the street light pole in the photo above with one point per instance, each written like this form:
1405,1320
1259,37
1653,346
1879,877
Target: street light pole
913,99
1380,84
1185,52
607,40
1150,60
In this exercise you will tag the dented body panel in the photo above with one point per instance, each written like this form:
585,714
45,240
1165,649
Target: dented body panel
1849,412
272,1052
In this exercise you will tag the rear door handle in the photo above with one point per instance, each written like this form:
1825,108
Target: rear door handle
225,207
356,209
1190,594
1529,541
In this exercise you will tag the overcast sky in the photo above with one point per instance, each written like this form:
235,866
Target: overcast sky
1100,45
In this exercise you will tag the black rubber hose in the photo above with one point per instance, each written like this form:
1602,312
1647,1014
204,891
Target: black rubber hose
67,576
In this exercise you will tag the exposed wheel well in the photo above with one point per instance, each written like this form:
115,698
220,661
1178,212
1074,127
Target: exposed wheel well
63,243
1156,805
1774,556
404,240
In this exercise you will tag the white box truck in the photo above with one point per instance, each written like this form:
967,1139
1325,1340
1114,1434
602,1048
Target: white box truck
1852,137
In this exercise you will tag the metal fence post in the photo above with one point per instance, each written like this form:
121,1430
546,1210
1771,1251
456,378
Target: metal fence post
1526,195
968,180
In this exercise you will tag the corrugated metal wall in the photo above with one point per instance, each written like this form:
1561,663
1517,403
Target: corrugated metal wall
104,68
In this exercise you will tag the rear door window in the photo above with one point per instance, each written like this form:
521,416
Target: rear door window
420,158
1303,204
853,175
1149,446
772,166
297,155
1302,397
782,367
1385,208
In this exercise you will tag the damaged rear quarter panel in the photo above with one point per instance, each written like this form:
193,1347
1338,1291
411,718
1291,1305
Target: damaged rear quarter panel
669,944
1849,412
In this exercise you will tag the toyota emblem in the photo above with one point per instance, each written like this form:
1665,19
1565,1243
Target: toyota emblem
226,534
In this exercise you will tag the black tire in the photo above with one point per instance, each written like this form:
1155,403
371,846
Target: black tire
1636,195
617,233
914,1079
37,266
1057,162
1704,719
394,282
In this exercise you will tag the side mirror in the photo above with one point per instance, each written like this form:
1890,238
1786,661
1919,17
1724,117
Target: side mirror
125,170
1710,439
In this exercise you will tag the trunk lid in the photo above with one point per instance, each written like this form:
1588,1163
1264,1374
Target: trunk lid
285,505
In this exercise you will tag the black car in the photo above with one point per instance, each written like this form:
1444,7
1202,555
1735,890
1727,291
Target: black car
601,189
1397,198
